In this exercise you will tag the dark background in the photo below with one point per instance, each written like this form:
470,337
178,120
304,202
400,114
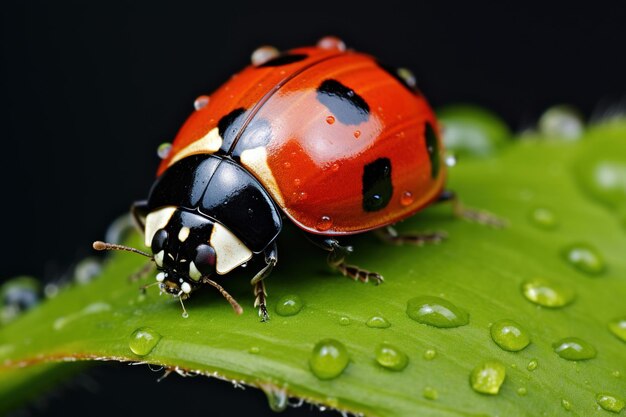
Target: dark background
89,91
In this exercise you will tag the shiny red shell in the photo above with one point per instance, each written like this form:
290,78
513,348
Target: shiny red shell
314,163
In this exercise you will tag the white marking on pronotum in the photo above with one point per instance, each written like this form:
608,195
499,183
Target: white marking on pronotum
209,143
183,234
229,250
255,160
193,272
158,258
156,220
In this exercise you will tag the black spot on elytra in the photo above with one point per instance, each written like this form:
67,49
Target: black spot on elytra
283,59
343,102
377,187
394,73
229,126
432,146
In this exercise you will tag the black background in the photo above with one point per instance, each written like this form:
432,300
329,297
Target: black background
89,91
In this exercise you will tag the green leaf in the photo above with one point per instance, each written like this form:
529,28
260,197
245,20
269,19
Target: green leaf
480,271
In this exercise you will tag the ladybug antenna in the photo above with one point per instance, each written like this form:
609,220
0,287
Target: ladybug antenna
99,245
234,304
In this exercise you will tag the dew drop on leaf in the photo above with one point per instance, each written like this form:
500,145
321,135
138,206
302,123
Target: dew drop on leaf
543,218
574,349
277,397
522,391
390,357
289,305
585,258
430,393
610,402
509,335
488,377
143,340
344,320
567,406
618,328
377,322
547,294
430,354
328,359
436,311
532,365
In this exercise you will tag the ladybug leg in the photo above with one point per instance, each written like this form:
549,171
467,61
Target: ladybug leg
139,212
473,215
260,294
390,235
336,260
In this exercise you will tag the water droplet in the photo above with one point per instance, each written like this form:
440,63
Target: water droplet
201,102
616,374
430,354
263,54
330,120
430,393
331,42
574,349
86,270
567,406
254,350
20,293
143,340
164,150
391,357
407,76
585,258
532,365
357,133
407,198
488,377
618,328
543,218
377,322
324,223
509,335
277,398
287,164
296,182
561,121
547,294
289,305
436,312
344,321
610,402
522,391
328,359
334,167
93,308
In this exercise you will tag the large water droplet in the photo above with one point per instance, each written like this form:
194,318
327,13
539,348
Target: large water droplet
17,295
391,357
585,258
574,349
407,198
263,54
331,43
407,76
164,150
143,340
330,120
430,354
277,397
377,322
328,359
430,393
509,335
324,223
289,305
544,218
610,402
201,102
488,377
86,270
547,294
618,328
532,365
436,312
561,121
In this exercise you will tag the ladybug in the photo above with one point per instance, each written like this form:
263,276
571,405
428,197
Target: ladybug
324,137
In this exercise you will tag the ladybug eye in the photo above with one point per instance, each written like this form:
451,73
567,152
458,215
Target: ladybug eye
159,240
205,259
